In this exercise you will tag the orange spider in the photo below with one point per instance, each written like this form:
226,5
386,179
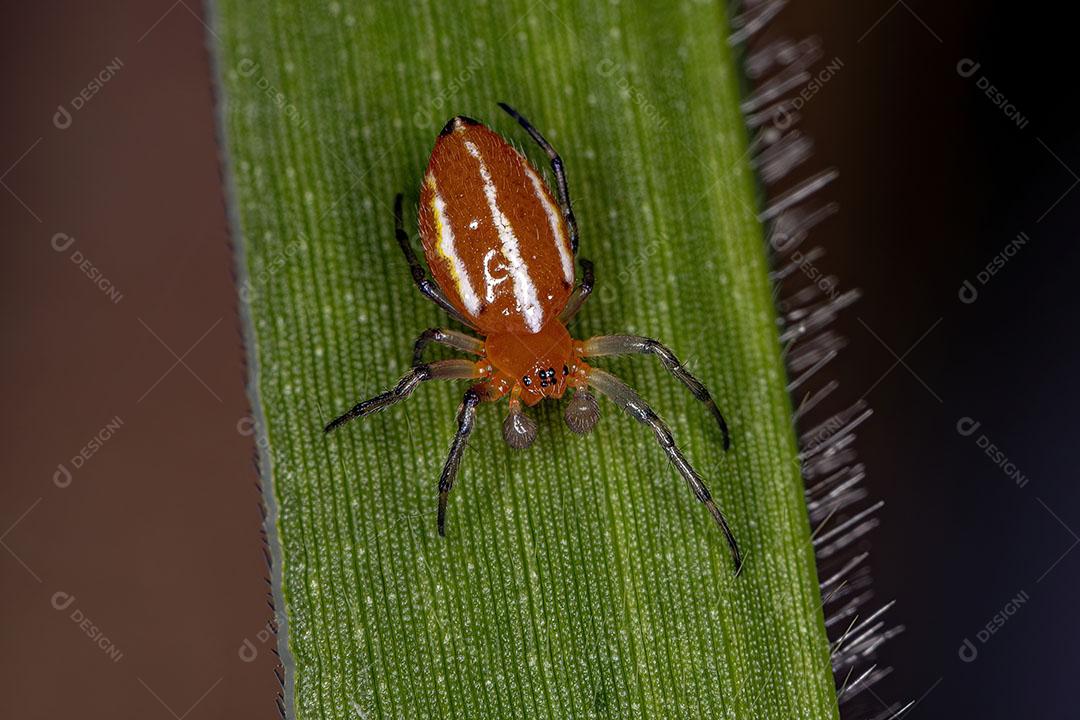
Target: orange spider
502,249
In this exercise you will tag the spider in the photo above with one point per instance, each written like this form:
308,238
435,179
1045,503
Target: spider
501,249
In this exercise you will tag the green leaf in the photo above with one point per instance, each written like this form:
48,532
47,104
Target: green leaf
579,578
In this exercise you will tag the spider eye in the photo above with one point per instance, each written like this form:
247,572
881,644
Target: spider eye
565,370
526,381
547,377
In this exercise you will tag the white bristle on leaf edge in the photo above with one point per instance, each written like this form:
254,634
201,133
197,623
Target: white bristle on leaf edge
840,509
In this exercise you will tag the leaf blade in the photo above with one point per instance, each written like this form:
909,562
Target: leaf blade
580,578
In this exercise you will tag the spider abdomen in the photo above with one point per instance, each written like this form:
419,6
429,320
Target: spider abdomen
493,235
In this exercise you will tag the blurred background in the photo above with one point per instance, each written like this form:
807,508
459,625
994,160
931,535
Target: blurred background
130,547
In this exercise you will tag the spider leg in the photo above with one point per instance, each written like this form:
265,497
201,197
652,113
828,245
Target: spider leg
457,369
581,292
450,338
425,284
466,420
624,396
562,190
627,344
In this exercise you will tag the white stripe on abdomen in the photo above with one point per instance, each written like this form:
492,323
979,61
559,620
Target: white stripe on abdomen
524,288
446,248
555,220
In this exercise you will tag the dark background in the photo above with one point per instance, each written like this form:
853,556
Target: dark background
935,182
157,535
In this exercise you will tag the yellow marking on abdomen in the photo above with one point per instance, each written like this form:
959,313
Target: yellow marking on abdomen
446,250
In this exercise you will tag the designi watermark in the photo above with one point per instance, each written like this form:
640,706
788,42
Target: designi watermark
969,651
825,283
967,427
64,115
607,291
785,113
442,99
63,601
62,242
248,68
269,268
609,68
65,473
967,68
969,293
249,650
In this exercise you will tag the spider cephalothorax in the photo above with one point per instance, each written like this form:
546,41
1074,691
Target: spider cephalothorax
501,249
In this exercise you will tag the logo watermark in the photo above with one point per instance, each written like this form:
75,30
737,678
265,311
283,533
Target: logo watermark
249,650
969,651
967,427
442,99
967,68
785,113
969,293
813,442
62,601
61,242
63,117
247,289
609,68
65,473
825,283
248,68
606,293
248,426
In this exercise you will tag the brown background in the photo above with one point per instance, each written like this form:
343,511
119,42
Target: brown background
157,535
